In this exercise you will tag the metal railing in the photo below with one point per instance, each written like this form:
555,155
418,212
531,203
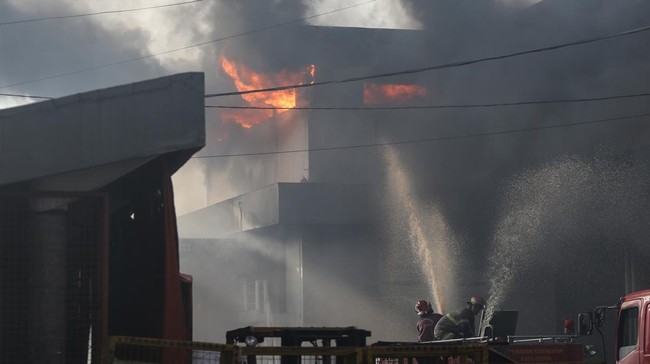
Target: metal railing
542,338
135,350
131,350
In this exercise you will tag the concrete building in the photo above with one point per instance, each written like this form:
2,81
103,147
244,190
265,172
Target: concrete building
256,253
88,243
347,217
296,234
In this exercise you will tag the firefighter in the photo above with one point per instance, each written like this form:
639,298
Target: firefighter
459,324
427,320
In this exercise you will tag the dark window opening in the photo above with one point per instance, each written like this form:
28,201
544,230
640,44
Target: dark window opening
628,329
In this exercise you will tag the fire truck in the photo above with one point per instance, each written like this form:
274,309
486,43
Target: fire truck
632,336
347,345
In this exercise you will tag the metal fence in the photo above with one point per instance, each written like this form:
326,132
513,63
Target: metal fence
51,279
132,350
129,350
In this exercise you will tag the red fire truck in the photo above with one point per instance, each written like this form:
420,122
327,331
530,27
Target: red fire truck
347,345
632,340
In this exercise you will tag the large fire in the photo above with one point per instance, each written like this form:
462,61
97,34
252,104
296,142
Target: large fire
246,79
380,93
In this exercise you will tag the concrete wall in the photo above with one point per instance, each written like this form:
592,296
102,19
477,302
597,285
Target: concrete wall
316,275
227,272
284,203
101,127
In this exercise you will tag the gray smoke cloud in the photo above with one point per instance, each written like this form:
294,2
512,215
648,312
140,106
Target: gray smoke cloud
462,178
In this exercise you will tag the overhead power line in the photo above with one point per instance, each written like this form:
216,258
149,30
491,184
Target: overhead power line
430,140
459,106
435,67
152,55
410,107
95,13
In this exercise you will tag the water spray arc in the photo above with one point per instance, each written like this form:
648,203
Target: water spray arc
555,214
510,253
429,240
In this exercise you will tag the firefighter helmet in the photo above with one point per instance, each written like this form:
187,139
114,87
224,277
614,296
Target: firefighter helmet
422,306
477,301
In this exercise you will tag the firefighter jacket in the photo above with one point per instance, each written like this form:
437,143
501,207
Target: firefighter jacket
455,325
426,324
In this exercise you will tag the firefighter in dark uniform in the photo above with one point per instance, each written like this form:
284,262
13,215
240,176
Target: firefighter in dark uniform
459,324
427,320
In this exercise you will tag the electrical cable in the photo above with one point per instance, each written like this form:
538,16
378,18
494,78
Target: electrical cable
152,55
429,140
434,67
96,13
459,106
362,108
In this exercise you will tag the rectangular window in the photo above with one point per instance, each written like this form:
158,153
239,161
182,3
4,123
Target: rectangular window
628,328
255,295
647,329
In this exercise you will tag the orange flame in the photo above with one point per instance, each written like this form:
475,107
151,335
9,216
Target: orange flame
246,79
377,93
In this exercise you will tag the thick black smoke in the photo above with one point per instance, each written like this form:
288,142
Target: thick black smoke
463,178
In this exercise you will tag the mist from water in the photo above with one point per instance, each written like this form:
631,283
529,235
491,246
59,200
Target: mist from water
431,242
557,214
